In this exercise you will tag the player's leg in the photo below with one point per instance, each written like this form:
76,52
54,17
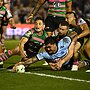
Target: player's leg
3,36
87,49
1,50
76,56
1,62
87,52
76,51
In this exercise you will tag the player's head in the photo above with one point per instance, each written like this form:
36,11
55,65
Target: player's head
51,45
63,28
39,24
71,17
1,3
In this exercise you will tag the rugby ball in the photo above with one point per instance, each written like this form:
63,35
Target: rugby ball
20,69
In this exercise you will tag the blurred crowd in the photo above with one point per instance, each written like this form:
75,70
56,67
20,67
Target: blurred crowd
21,9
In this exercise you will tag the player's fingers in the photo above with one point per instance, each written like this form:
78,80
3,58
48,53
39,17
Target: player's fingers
53,68
14,69
13,27
1,59
28,20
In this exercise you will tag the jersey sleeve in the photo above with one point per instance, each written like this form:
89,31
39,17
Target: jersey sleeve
40,56
63,46
8,14
5,1
43,55
27,34
81,21
65,42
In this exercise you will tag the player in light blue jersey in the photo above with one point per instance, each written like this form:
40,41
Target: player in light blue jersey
57,54
62,50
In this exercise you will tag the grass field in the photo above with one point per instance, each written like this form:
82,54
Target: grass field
41,77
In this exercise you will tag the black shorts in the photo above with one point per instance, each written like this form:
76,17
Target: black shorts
30,54
53,22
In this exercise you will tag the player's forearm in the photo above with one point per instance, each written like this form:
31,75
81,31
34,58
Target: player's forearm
69,7
39,4
7,6
12,23
21,45
30,61
83,34
85,31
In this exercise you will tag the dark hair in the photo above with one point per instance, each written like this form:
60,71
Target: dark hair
74,15
39,18
50,40
64,23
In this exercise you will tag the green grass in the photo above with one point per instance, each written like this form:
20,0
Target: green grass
16,81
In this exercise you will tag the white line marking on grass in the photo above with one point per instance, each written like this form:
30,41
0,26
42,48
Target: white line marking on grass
60,77
53,76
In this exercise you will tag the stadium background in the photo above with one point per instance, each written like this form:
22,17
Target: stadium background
40,77
22,8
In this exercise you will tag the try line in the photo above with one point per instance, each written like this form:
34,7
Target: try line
53,76
59,77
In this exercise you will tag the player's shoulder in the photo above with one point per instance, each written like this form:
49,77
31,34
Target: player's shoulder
81,21
5,1
3,7
65,39
28,33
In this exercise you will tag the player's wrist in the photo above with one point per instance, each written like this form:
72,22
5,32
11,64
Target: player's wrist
78,37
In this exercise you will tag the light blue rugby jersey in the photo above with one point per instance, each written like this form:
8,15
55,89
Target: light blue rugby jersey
62,51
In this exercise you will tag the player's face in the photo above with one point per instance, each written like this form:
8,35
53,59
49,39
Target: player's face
39,25
62,30
51,48
1,3
70,18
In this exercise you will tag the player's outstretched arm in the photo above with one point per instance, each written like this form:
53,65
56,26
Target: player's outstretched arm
12,23
26,63
69,6
39,4
21,47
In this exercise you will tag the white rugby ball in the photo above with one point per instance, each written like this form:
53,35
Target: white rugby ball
20,69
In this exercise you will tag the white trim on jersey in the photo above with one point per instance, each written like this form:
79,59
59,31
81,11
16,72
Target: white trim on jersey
81,21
